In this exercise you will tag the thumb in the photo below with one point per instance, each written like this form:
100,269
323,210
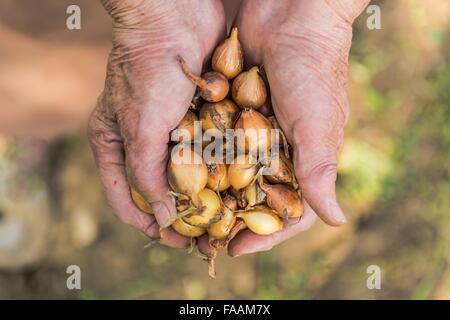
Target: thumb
146,158
316,172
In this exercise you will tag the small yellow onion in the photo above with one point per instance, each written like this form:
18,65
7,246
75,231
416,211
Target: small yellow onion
256,130
186,129
280,169
208,209
189,177
283,199
187,230
228,57
140,202
218,116
213,85
242,171
222,243
254,195
249,90
218,177
261,220
221,229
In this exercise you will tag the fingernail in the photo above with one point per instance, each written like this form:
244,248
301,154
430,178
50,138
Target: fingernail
336,213
163,214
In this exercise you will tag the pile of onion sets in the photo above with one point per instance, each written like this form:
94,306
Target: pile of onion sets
256,190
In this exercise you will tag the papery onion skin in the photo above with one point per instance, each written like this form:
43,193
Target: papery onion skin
140,201
209,209
282,170
222,228
257,131
187,178
284,200
242,172
213,86
187,131
249,90
228,57
187,230
219,115
261,220
218,177
254,195
216,87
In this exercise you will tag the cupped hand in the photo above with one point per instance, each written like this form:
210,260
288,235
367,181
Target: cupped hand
145,96
303,46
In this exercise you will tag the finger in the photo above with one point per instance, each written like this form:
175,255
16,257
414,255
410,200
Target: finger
248,242
145,126
313,111
316,140
107,147
316,172
171,238
146,158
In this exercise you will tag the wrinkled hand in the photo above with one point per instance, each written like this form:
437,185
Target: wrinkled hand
304,48
145,97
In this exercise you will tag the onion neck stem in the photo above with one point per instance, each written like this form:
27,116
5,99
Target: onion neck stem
198,81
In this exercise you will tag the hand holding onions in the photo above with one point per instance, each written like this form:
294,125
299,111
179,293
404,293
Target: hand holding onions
146,87
204,203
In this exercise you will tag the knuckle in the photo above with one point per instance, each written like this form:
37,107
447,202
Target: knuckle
152,186
347,10
325,168
129,120
127,13
321,163
100,123
151,228
101,139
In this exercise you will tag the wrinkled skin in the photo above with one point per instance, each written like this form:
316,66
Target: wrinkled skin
303,46
145,97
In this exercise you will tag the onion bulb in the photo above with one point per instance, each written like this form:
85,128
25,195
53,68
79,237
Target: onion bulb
218,116
222,228
242,171
217,177
222,243
249,90
228,57
261,220
254,195
208,209
213,85
140,202
280,170
187,177
256,130
283,199
187,230
186,129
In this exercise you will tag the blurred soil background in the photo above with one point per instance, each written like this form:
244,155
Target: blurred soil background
393,183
